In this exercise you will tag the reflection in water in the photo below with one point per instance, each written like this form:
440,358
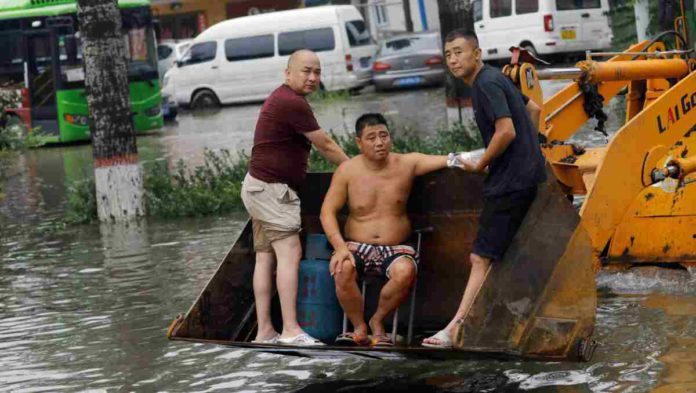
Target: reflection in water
87,307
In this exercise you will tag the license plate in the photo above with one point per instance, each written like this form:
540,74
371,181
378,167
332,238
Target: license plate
365,62
568,33
414,80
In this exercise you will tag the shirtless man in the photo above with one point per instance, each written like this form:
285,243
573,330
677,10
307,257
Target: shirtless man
376,184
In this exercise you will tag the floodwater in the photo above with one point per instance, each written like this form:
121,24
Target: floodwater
86,308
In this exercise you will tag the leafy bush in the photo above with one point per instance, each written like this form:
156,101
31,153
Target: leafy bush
215,186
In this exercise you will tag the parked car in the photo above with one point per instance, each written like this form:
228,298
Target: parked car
409,60
542,27
242,59
168,52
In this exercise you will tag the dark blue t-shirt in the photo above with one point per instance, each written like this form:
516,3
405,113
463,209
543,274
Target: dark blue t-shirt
521,166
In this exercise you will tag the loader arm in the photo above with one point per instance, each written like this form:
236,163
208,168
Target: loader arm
637,148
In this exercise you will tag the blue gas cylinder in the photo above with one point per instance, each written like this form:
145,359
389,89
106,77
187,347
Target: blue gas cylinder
318,311
317,246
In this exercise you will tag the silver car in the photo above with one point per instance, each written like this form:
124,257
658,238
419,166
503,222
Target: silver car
408,61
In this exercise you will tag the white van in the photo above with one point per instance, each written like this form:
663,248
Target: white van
541,26
242,59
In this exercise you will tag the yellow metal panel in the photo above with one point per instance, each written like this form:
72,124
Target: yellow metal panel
619,178
655,239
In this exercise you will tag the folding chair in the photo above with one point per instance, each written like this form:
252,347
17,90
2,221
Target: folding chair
412,308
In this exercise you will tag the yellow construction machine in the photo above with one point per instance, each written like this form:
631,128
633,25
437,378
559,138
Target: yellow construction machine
640,189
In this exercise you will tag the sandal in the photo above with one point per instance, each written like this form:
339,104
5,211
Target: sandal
301,340
272,340
352,340
382,341
443,337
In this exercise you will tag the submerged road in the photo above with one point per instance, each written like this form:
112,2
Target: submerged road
86,308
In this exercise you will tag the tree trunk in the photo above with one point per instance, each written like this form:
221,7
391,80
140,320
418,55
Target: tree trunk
407,15
118,174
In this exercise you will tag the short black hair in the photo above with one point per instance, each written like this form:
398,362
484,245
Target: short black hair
468,35
369,119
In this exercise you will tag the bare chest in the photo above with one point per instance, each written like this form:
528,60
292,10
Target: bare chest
370,193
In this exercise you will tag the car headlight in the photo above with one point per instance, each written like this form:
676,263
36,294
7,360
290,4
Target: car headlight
153,111
78,120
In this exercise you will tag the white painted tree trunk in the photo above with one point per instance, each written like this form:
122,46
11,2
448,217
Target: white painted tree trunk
119,192
118,176
642,12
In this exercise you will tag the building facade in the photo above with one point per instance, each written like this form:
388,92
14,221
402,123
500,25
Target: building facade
181,19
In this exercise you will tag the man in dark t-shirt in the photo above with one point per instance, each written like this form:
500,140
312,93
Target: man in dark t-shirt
284,135
508,122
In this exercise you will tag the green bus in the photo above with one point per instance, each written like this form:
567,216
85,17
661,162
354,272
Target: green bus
41,56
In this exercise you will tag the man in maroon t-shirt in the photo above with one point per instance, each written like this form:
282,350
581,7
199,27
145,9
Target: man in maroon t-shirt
284,135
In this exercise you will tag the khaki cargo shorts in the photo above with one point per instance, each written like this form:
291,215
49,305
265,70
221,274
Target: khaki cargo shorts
274,209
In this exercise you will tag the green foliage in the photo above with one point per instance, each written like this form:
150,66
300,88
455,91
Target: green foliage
15,137
458,137
215,186
82,201
323,96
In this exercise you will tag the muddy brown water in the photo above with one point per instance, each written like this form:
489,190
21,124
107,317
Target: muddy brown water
85,308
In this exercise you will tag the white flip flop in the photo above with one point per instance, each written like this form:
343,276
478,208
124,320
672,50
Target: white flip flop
301,340
272,340
445,340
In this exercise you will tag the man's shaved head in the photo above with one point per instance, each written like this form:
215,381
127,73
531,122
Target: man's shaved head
303,74
300,55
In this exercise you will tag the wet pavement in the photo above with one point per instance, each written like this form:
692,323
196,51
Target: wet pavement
86,308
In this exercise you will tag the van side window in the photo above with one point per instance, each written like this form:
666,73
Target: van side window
358,35
500,8
200,53
478,10
318,40
569,5
526,6
246,48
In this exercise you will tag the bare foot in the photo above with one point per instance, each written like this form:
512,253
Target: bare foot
265,335
376,327
361,330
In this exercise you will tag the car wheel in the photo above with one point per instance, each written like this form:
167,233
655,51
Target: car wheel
205,99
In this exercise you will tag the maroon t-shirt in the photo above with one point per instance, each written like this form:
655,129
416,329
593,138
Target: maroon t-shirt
281,150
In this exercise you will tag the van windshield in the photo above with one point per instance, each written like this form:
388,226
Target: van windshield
569,5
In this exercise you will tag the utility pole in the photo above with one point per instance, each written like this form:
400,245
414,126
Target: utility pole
407,15
118,175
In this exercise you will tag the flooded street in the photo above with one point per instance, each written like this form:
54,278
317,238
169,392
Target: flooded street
86,308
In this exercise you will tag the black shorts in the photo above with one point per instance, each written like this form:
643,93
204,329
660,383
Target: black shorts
500,219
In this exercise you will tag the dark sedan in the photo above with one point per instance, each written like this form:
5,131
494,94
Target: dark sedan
408,61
